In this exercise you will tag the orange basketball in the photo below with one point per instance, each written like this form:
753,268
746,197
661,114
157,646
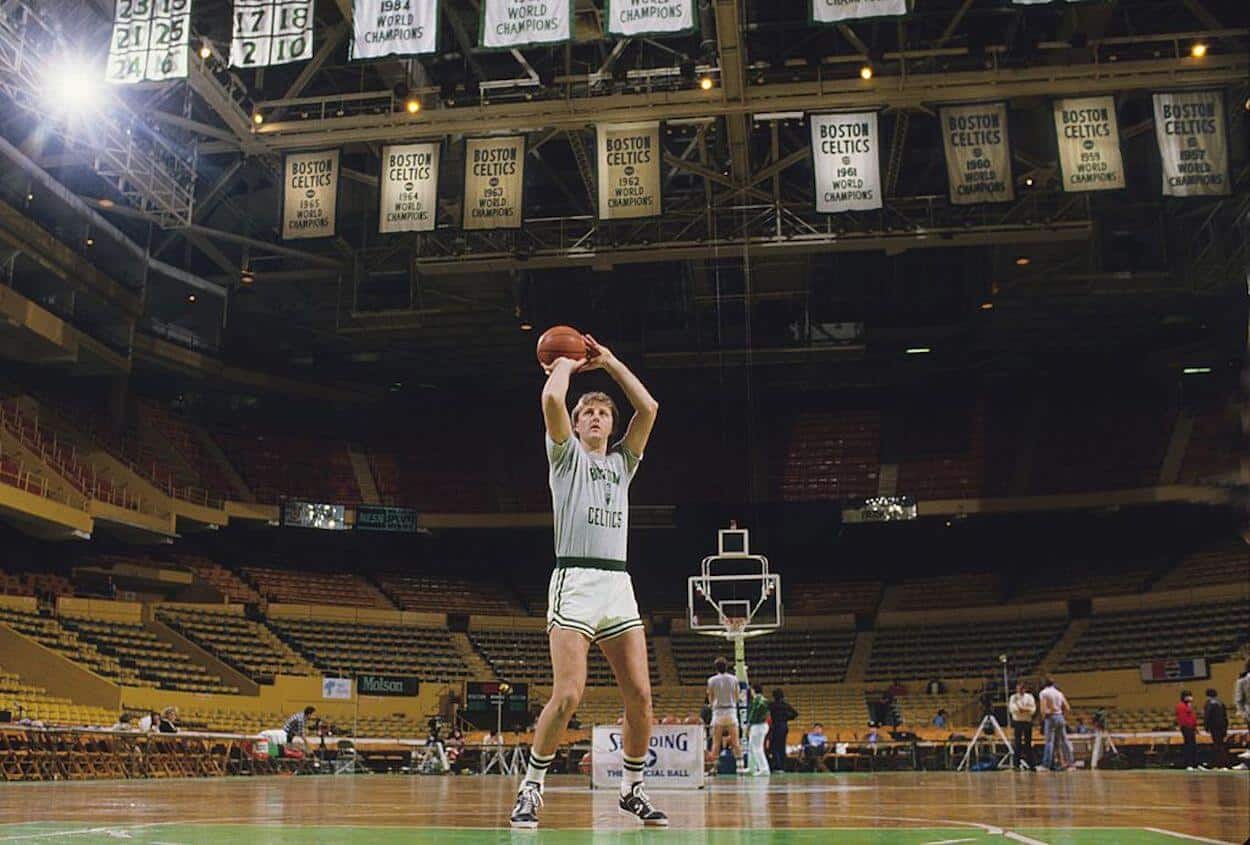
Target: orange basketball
560,342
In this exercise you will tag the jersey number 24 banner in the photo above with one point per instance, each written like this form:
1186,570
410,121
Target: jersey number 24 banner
150,40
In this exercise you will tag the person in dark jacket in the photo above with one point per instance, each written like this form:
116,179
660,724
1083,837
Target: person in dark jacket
1187,721
781,713
1215,720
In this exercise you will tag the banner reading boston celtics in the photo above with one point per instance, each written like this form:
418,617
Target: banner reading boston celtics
629,170
310,194
507,24
845,162
1089,144
1193,141
978,156
494,179
408,188
634,18
393,28
836,11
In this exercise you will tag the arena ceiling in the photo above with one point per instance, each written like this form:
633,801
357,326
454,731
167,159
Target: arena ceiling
740,269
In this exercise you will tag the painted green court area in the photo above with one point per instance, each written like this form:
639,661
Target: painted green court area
235,834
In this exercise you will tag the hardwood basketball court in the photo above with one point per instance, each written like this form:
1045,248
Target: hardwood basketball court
1079,808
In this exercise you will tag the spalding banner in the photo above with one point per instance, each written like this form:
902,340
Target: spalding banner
311,188
632,18
845,162
494,178
1089,144
836,11
1193,141
508,24
394,28
408,188
629,170
674,760
978,155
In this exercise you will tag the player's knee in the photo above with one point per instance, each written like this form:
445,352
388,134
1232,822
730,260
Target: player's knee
566,700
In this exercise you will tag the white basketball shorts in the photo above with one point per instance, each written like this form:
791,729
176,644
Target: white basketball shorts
598,603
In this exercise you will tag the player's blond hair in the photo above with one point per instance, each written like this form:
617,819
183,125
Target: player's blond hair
595,396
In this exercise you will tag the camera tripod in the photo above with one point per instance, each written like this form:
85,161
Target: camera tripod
987,732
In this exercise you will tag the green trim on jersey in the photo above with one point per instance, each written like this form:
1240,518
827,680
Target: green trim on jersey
590,563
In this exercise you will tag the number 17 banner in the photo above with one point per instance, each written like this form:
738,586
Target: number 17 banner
271,32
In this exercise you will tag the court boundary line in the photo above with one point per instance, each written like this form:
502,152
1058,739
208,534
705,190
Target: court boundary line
1188,836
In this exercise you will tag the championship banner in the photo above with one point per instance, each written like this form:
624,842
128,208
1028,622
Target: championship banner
1162,671
494,182
633,18
150,41
837,11
1089,144
978,153
674,758
1193,142
629,170
408,188
271,32
310,194
393,28
509,24
845,162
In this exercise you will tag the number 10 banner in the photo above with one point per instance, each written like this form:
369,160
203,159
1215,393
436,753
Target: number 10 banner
150,40
271,32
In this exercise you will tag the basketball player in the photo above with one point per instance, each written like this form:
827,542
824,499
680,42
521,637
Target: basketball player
591,598
722,695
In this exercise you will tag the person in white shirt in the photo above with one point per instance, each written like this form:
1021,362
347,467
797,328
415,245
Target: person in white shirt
1022,706
722,696
1055,709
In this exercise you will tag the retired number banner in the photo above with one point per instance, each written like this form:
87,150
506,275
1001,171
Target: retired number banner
978,154
494,182
408,188
632,18
150,40
1193,142
310,194
507,24
271,32
845,162
393,28
1089,144
629,170
836,11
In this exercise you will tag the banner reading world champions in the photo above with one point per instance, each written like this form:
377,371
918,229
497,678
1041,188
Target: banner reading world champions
494,180
629,170
1088,136
408,188
978,155
674,758
508,24
1193,142
393,28
846,162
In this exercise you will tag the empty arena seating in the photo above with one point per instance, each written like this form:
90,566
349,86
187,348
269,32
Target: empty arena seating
1214,441
35,584
784,657
944,591
1228,564
301,467
815,599
300,587
26,701
942,451
830,455
1063,582
253,722
526,656
961,650
1088,442
150,657
245,644
231,586
351,648
49,632
444,594
1121,640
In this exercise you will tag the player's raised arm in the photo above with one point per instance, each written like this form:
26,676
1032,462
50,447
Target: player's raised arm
646,407
555,391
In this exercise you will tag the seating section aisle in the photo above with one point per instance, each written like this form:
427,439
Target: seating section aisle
150,657
1123,640
179,434
49,633
1225,565
961,650
526,656
442,595
231,586
245,644
282,585
784,657
350,648
24,701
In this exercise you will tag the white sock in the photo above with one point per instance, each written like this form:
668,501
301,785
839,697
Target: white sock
536,771
631,772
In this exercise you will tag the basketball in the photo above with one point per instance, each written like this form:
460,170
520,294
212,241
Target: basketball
561,342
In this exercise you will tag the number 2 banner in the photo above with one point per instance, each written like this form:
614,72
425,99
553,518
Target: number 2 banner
271,32
150,41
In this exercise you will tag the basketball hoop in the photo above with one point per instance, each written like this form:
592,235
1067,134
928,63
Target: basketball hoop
735,627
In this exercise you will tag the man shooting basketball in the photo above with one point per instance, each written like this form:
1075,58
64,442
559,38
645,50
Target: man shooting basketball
591,598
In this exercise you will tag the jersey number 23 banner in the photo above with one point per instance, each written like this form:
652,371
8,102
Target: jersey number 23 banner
1193,141
408,188
845,162
629,170
394,28
311,187
150,40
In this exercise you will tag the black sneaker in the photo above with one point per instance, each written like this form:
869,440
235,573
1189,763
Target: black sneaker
528,802
637,804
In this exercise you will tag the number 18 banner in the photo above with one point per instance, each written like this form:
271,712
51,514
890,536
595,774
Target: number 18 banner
150,40
271,32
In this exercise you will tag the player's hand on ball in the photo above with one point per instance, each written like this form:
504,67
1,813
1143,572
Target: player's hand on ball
600,356
574,365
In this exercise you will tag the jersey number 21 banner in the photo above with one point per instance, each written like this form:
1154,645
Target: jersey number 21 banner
845,162
394,28
508,24
408,188
150,40
633,18
310,194
1193,141
836,11
1089,144
629,170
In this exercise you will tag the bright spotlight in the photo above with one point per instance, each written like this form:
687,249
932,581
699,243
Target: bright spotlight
706,83
865,72
70,87
1198,50
413,105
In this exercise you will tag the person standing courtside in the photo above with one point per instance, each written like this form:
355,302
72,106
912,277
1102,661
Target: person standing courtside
722,695
1241,702
757,731
1055,709
1187,721
1215,720
1022,707
782,714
